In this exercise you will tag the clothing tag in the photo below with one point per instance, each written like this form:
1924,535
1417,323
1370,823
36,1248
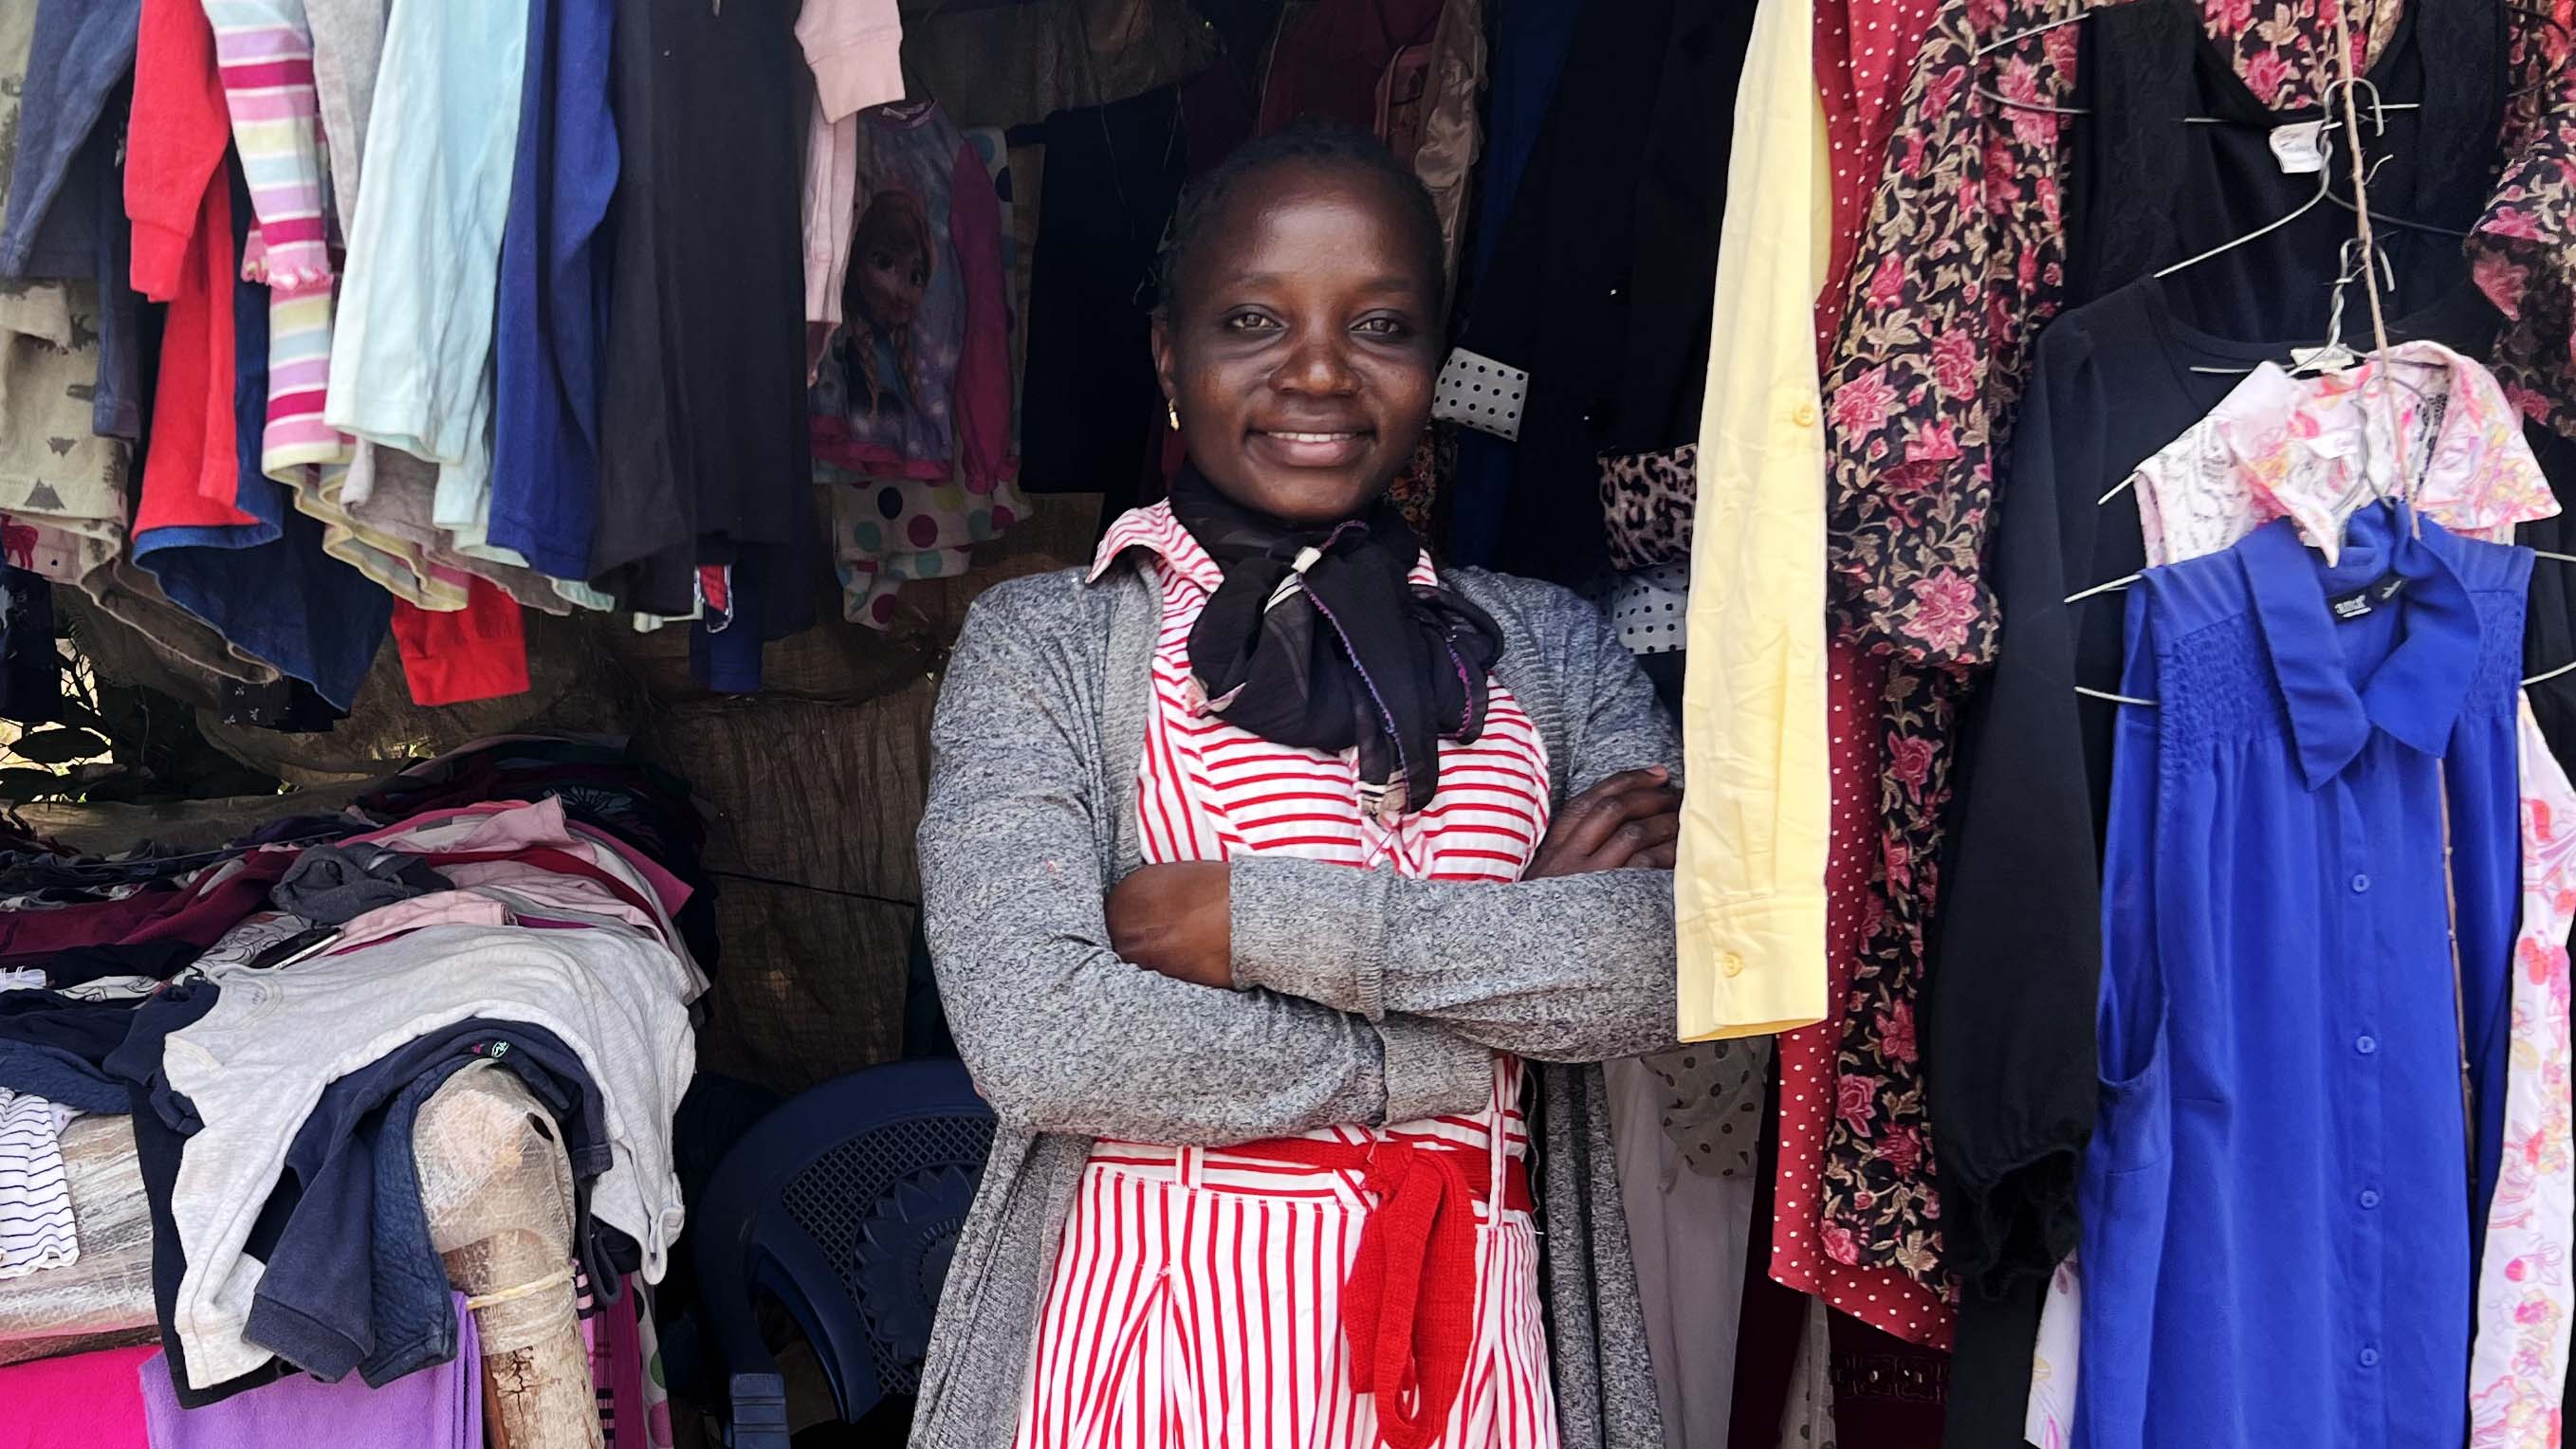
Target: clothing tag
2332,357
2359,603
2300,148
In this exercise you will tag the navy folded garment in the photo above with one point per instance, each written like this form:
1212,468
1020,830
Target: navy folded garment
353,1280
56,1048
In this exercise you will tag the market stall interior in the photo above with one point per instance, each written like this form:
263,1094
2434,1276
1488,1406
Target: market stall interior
2091,481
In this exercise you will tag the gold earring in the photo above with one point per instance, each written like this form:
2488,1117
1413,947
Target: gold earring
1174,410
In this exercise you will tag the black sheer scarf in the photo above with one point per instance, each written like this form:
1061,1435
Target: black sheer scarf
1319,639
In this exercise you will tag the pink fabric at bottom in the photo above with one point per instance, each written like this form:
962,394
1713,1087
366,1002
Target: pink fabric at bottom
90,1399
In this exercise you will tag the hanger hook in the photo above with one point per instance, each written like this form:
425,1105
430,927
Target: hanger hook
2358,83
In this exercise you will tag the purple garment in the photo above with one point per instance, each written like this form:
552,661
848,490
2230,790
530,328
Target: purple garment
436,1408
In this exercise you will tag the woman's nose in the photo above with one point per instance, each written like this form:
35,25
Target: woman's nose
1319,362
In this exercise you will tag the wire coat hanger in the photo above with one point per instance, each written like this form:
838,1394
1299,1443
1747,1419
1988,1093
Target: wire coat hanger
2325,178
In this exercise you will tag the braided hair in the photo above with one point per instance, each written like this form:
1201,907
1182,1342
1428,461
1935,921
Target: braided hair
1309,141
893,221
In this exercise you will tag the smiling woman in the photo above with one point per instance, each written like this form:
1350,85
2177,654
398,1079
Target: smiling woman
1298,333
1263,866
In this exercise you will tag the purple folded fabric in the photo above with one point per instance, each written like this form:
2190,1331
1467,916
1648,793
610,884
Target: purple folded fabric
440,1407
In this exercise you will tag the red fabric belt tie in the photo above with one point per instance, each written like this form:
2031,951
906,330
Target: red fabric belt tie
1409,1304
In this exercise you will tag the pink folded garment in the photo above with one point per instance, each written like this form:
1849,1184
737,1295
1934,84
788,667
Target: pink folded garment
440,1407
89,1399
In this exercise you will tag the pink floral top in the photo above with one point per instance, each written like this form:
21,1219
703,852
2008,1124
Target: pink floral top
2313,449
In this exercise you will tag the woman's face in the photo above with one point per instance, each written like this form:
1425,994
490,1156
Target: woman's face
1301,352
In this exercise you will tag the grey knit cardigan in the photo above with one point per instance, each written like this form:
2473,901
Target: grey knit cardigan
1366,997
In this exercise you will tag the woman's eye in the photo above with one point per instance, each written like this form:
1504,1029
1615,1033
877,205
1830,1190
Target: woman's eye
1249,322
1384,327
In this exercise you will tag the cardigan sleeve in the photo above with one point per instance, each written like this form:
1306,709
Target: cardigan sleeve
1573,968
1059,1032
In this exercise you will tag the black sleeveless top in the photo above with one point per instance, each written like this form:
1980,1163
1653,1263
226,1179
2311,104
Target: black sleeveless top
2147,187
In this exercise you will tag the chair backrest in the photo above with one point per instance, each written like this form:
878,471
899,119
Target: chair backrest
844,1204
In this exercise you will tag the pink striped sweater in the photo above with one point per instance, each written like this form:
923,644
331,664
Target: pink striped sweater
266,52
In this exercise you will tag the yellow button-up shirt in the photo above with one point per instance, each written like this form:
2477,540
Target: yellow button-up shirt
1750,884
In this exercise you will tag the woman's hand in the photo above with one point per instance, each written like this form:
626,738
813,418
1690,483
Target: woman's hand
1627,822
1178,920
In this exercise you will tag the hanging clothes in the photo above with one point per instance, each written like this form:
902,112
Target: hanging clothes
2518,1361
704,444
62,483
921,386
265,583
266,55
348,50
1557,299
411,365
66,212
2282,1083
2007,1022
2523,271
2145,187
181,208
912,426
1920,336
1435,128
1090,402
546,366
1016,65
2273,449
1686,1126
1343,58
854,48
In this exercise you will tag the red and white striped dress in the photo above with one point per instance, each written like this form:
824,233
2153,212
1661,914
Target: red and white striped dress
1200,1296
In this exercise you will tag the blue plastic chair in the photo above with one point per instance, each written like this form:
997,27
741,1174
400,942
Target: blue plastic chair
844,1205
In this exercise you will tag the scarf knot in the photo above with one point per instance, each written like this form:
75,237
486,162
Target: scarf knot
1319,638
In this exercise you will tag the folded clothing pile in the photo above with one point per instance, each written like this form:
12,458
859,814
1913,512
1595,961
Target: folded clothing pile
273,1019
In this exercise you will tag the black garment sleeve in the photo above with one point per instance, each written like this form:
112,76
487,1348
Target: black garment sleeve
2008,1006
2009,1011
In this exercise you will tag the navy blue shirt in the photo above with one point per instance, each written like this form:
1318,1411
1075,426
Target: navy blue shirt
553,293
2277,1204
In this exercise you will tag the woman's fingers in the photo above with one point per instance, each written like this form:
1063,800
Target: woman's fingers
1581,839
1631,842
1589,818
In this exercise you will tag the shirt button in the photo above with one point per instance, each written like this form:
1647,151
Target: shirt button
1804,415
1731,963
2369,1358
2365,1044
2370,1197
2360,883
